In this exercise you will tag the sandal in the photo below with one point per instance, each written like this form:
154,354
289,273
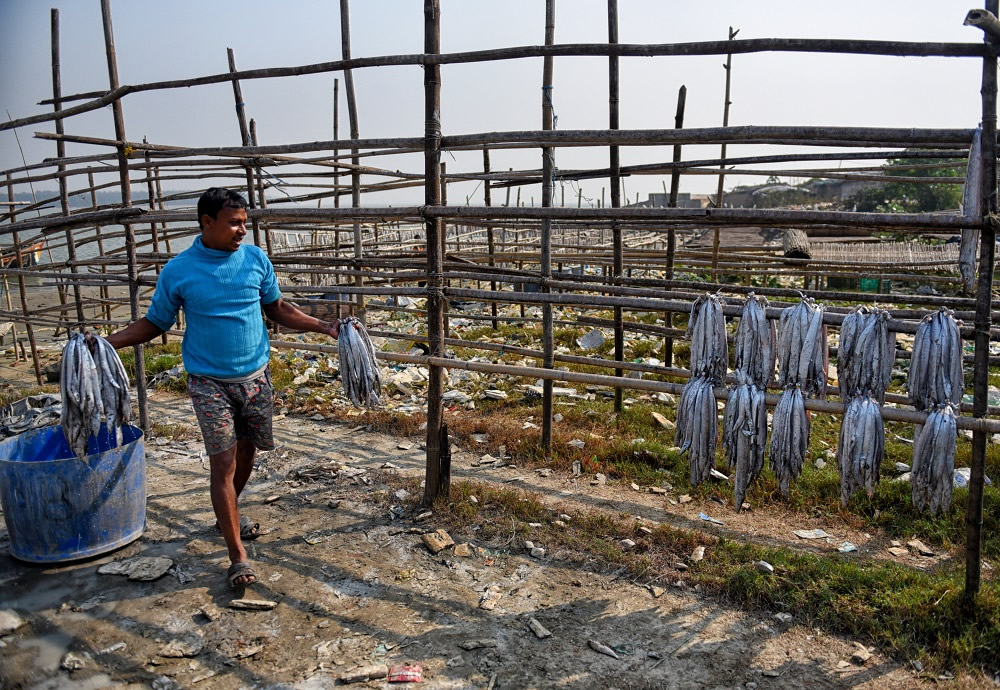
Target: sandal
248,530
243,569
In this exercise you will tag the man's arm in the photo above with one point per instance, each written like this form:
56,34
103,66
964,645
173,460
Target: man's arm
284,314
140,331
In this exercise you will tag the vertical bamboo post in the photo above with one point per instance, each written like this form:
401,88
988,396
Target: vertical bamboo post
352,113
722,165
261,199
159,203
435,262
336,183
61,153
241,117
123,173
20,285
152,226
105,294
984,305
443,196
616,190
548,166
675,180
490,239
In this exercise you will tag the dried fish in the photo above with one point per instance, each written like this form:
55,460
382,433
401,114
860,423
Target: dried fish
744,433
359,370
861,447
755,342
789,437
93,391
972,208
697,426
866,353
934,461
802,348
707,333
936,375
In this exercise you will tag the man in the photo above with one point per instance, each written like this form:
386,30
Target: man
222,285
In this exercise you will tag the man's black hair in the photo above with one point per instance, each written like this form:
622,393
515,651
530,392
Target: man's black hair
217,198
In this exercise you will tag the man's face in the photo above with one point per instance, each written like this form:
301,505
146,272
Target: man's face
226,230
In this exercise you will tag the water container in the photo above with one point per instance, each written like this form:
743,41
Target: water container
59,507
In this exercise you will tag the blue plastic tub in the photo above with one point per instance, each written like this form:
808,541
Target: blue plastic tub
60,508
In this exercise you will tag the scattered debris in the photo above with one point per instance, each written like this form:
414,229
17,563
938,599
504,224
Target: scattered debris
628,543
116,647
810,534
314,538
540,631
404,445
272,498
784,617
72,662
576,443
898,551
657,592
186,645
211,612
684,498
861,654
765,567
847,547
537,552
490,599
463,550
920,547
602,649
469,645
592,340
698,553
407,673
599,480
663,421
364,673
252,604
426,515
139,568
709,518
437,541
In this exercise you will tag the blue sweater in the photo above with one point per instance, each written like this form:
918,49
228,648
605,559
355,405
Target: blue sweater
221,293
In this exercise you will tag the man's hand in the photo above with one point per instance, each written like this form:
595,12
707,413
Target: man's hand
332,329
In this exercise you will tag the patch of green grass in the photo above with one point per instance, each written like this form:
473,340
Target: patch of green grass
157,358
14,394
909,614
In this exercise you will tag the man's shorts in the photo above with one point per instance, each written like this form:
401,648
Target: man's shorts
230,411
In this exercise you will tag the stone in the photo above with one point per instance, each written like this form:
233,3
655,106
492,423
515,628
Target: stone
920,547
698,553
537,552
576,443
765,567
663,421
628,543
463,550
490,599
252,604
540,630
469,645
784,617
359,675
139,568
657,490
898,551
657,592
684,498
592,340
185,645
820,463
861,654
564,517
635,487
494,394
437,541
72,662
9,621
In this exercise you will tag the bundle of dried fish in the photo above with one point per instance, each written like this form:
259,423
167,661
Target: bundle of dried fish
934,461
861,446
697,426
94,389
936,375
789,437
972,208
755,342
707,333
865,354
358,367
744,433
802,348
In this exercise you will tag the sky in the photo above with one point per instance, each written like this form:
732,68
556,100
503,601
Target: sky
187,38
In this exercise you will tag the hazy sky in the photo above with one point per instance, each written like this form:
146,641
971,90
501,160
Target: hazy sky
186,38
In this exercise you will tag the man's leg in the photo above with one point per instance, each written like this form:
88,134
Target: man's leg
245,452
223,490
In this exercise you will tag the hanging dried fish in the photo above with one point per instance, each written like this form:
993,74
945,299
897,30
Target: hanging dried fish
94,390
936,375
934,461
789,437
755,342
802,348
358,367
707,333
861,447
865,354
972,208
744,433
697,426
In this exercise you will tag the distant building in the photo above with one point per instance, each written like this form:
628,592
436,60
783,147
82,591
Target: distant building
684,200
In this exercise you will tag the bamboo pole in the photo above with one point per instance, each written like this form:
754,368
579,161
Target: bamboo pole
722,166
154,235
98,235
616,202
133,274
548,168
241,118
984,300
435,310
675,178
352,113
61,153
261,198
443,195
490,239
336,181
19,257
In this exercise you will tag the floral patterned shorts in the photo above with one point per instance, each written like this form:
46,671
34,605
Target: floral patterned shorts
231,411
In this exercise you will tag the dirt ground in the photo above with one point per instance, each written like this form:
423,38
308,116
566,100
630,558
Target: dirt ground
355,586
